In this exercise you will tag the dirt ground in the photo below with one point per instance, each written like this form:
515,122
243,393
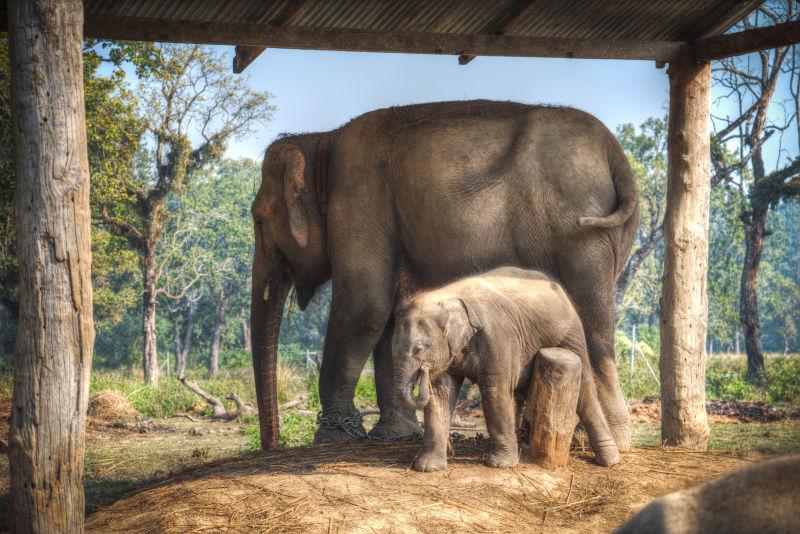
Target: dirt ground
178,475
367,488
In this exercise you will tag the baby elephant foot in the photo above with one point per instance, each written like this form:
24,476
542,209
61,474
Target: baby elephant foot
606,454
429,461
502,458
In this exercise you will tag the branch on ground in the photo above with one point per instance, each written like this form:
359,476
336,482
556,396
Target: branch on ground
219,408
242,408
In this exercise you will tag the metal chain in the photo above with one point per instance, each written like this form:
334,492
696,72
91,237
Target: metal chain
352,425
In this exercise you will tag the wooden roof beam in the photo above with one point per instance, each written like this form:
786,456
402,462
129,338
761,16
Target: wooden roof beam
247,54
509,22
745,42
272,36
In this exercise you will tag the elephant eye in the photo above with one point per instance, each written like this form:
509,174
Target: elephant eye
418,350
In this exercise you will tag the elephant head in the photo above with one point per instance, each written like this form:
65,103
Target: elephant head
428,335
290,249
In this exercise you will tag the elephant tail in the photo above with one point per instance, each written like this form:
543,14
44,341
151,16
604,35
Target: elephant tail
626,188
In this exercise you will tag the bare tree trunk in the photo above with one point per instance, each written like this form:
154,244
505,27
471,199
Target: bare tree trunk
219,320
53,354
149,333
246,343
684,302
754,231
632,266
736,349
183,346
177,342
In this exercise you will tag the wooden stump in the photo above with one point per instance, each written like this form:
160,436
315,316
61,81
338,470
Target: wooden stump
552,404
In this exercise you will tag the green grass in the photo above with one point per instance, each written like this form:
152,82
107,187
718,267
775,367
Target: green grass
725,376
297,429
171,397
741,438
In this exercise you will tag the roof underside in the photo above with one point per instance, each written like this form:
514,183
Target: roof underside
592,29
643,20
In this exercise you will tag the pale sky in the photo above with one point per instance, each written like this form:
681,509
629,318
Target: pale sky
318,91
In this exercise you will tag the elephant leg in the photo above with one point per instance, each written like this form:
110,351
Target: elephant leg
498,409
438,412
595,307
591,415
360,309
396,420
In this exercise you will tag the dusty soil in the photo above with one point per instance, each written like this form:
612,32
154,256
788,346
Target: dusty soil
366,487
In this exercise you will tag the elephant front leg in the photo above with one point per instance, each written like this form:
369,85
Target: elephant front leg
498,409
360,309
438,413
396,419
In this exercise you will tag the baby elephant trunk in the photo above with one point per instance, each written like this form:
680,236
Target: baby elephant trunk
420,377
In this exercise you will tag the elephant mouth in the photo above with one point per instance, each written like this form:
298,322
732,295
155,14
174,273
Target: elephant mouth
421,378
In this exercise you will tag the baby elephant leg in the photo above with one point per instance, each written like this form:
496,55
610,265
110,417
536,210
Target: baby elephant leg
498,409
438,412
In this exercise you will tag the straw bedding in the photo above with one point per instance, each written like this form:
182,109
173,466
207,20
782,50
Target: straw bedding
370,487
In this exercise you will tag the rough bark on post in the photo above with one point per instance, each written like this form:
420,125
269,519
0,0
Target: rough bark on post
684,303
551,406
53,353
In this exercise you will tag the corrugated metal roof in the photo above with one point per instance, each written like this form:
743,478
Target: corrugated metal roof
645,20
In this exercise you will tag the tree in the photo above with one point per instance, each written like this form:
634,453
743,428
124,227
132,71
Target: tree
750,84
204,258
53,349
647,153
113,131
188,95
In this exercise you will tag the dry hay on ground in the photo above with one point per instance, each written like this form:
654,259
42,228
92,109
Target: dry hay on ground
719,411
370,487
108,405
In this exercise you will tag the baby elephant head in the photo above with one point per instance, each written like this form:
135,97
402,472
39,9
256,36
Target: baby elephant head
427,336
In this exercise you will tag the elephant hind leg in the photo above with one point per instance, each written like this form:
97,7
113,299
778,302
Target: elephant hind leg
595,307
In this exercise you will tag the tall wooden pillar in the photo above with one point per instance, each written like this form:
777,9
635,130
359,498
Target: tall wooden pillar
55,336
684,304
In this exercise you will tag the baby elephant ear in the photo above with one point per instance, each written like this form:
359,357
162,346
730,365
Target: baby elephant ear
461,323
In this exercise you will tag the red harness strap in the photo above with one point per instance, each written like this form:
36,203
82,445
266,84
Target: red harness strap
321,175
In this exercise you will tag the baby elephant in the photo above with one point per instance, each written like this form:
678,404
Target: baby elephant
488,328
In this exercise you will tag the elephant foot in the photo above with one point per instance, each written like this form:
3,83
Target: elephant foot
395,427
430,461
622,436
339,429
606,454
502,458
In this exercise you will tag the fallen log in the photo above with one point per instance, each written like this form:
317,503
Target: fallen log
220,412
242,408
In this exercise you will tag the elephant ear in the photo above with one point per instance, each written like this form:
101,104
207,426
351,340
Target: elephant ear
461,323
294,186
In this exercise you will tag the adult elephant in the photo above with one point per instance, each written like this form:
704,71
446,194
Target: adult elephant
439,191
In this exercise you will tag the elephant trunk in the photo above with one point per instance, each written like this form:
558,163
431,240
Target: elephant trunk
419,377
266,311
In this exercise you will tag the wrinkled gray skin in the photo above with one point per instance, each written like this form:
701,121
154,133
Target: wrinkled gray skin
444,190
488,328
763,498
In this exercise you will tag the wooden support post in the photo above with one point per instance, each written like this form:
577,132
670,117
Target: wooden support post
551,407
684,303
55,335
